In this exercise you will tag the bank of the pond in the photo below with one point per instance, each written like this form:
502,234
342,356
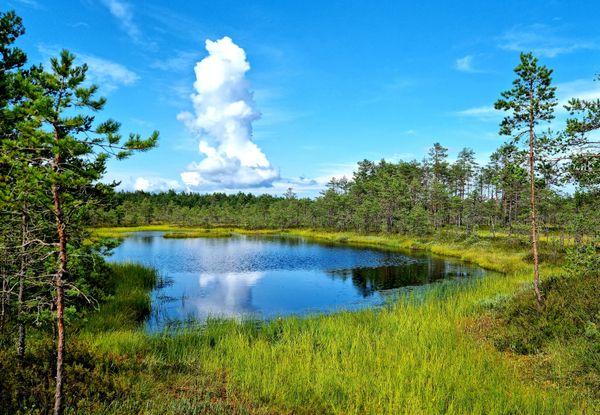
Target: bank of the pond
415,356
507,257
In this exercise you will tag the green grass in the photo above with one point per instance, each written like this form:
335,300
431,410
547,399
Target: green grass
124,231
174,231
416,356
129,304
205,233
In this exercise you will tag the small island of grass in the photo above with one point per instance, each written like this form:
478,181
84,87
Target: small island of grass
204,233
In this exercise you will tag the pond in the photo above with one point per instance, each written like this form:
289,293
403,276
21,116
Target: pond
268,276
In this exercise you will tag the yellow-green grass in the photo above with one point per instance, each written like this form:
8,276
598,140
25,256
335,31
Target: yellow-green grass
197,231
204,233
412,357
123,231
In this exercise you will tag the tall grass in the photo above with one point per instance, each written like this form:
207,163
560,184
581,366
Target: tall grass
411,357
203,233
130,302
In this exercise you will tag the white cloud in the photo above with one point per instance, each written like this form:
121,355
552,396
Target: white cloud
31,3
155,184
223,113
540,39
181,61
465,64
122,11
579,88
480,112
107,74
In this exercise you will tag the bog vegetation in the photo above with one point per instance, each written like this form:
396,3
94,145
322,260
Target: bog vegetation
71,339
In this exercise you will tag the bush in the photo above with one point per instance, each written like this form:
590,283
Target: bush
28,386
571,302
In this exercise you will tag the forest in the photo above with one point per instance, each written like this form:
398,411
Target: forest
71,335
394,198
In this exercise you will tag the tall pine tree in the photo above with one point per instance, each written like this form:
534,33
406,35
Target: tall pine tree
530,102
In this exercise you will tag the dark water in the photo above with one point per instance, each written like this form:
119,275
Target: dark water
265,277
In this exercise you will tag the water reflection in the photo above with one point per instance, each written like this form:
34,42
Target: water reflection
368,281
226,295
271,276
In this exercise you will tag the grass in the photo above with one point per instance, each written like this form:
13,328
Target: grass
130,304
204,233
417,356
173,231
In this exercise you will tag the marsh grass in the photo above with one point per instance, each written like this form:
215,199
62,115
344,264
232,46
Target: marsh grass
204,233
130,302
173,231
414,356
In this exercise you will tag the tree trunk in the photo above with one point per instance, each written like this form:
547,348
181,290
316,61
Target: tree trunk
3,299
59,286
534,244
21,295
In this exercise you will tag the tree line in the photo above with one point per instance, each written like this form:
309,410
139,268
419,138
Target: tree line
407,197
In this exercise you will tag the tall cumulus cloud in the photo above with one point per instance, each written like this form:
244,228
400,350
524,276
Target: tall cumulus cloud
224,111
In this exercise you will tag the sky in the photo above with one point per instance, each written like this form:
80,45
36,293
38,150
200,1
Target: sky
261,96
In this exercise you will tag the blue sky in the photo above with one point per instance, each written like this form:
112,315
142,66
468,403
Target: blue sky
334,82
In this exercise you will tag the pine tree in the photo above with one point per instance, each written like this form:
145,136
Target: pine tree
75,151
583,150
530,102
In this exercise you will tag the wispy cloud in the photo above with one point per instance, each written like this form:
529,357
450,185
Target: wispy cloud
164,20
30,3
465,64
122,12
181,61
579,88
541,39
108,75
80,24
483,111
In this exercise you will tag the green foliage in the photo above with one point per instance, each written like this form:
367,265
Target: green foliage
530,101
571,302
582,149
583,259
27,386
565,329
